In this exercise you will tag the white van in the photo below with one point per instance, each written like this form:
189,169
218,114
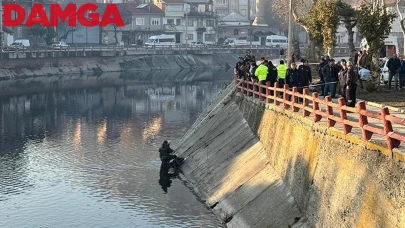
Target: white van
277,41
20,44
161,40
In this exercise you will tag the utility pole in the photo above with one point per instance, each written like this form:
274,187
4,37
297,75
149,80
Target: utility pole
290,36
186,24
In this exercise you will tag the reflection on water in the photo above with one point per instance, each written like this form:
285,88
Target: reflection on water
89,157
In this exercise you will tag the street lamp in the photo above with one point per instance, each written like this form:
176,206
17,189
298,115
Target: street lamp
289,49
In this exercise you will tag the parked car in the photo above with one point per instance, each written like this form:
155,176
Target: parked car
20,44
384,71
59,44
198,44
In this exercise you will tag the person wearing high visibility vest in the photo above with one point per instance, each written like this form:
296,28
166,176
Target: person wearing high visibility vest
281,74
261,74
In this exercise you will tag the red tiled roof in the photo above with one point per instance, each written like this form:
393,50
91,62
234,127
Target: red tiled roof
135,8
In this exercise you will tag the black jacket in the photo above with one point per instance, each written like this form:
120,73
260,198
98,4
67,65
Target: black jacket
394,64
305,75
330,74
293,78
271,74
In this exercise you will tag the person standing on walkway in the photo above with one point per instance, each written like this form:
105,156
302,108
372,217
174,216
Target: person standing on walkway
271,75
261,74
393,66
281,54
342,81
330,73
323,62
351,85
293,76
281,74
402,74
305,76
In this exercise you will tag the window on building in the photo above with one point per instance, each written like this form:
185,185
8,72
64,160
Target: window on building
190,22
140,21
243,12
155,21
235,32
190,37
200,23
221,2
222,12
170,21
210,23
209,37
178,21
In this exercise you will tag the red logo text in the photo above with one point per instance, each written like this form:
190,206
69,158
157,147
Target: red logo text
85,14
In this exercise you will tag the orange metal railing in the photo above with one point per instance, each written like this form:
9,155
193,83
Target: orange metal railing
310,106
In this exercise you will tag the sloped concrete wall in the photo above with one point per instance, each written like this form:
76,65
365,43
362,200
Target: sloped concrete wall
23,68
261,166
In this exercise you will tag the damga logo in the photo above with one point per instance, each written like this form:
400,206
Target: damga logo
86,15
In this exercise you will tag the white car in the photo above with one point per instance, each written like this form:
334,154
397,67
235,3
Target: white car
384,71
60,44
197,44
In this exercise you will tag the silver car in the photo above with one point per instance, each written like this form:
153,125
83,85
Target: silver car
60,44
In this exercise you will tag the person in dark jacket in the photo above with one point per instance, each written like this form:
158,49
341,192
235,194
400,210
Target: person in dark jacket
393,66
165,152
305,75
293,76
323,62
402,74
238,66
271,73
330,73
351,85
342,80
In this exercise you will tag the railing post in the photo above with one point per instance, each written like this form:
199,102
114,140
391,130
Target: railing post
329,112
285,98
343,116
363,121
391,143
267,91
236,83
294,99
276,94
315,107
305,102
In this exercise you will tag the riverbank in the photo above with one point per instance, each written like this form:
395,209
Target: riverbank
41,84
258,165
23,68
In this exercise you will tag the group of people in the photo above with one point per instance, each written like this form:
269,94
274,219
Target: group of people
396,70
265,71
340,76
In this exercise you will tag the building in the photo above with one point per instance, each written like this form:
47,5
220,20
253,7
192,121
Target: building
174,21
246,8
189,20
200,21
237,26
146,20
8,36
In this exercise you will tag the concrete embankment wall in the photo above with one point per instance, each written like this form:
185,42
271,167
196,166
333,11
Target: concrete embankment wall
21,68
262,166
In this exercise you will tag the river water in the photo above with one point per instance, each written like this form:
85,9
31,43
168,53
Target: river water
88,157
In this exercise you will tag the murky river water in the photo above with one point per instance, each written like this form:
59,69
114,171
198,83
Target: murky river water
88,157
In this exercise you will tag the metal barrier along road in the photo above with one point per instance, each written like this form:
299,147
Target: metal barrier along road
378,122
